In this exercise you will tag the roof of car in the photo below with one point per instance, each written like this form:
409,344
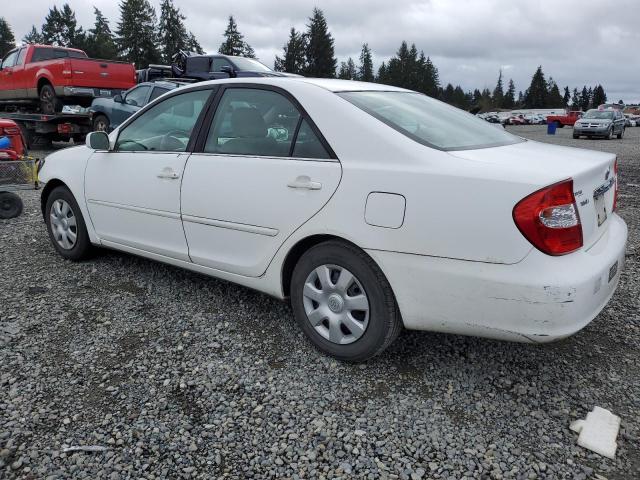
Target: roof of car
331,84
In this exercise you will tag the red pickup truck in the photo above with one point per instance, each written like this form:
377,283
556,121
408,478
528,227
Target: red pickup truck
568,118
57,76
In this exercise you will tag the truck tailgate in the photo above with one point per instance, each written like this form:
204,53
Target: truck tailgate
89,72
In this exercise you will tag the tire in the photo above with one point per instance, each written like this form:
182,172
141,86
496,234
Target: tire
59,231
377,327
49,103
609,134
10,205
558,124
621,134
576,136
101,123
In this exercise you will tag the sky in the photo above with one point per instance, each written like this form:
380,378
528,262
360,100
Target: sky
577,42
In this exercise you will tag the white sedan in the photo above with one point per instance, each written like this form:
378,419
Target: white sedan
371,207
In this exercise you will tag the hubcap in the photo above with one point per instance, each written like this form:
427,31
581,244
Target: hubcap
63,224
336,304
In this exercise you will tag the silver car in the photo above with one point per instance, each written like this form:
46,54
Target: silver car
600,123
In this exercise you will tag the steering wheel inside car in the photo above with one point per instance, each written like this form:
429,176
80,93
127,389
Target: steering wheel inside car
171,140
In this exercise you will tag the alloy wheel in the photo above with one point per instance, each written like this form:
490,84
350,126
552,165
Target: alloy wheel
63,224
336,304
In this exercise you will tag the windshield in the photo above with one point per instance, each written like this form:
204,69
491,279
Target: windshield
430,122
250,65
598,114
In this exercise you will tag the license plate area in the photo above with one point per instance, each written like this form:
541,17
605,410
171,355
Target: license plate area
612,271
601,208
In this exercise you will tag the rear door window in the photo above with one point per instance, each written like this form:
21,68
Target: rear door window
218,63
41,53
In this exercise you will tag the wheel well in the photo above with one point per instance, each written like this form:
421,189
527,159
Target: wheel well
41,83
48,188
297,251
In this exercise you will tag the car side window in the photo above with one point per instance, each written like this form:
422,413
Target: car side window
308,145
137,96
40,54
59,53
10,60
253,122
165,127
218,63
21,55
157,91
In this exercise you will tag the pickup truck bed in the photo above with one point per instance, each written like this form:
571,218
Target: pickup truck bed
55,76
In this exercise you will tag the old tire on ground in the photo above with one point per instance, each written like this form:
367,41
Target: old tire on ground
343,302
100,123
49,103
10,205
66,226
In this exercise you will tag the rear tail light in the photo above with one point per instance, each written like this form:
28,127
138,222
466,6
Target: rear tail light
549,219
615,188
10,131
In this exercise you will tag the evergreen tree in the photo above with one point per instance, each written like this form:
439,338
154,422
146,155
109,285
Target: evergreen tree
599,97
33,37
234,43
476,99
429,78
537,93
293,60
509,100
498,92
575,99
365,70
7,40
459,98
348,70
193,45
486,102
447,94
520,102
382,73
137,38
554,98
172,31
566,98
585,99
100,42
320,60
61,28
402,69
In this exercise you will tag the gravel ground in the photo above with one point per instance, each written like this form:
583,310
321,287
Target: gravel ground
183,376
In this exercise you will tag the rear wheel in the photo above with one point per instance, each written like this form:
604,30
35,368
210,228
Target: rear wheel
558,124
65,224
621,134
10,205
49,103
609,134
343,302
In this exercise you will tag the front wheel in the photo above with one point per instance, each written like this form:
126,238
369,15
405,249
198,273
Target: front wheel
101,123
65,225
621,134
343,302
609,134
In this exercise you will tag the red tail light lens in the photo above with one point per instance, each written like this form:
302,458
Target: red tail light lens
615,191
549,219
10,131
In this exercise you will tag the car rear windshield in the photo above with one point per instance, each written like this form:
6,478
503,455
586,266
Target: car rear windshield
429,121
248,65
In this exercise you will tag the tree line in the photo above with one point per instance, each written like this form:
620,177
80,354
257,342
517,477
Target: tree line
140,38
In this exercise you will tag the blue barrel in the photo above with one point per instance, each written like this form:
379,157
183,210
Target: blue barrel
551,128
5,143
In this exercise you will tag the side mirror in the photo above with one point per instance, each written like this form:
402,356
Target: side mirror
228,70
97,141
117,99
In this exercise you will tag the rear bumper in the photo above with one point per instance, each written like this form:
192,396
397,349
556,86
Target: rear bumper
539,299
71,91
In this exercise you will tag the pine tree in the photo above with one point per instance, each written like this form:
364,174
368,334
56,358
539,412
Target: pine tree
293,60
537,93
429,78
348,70
7,40
61,28
585,99
33,37
402,69
476,99
193,45
566,98
382,73
520,102
100,42
599,97
498,92
509,100
137,38
320,59
365,70
172,32
554,98
575,99
234,43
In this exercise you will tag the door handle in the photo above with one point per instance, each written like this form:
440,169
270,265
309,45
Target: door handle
304,182
168,174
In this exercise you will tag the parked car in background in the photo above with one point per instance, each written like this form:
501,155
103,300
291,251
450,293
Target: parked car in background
568,119
218,66
288,189
108,113
631,120
518,119
51,77
600,123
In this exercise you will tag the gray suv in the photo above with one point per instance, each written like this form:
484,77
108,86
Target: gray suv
600,123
